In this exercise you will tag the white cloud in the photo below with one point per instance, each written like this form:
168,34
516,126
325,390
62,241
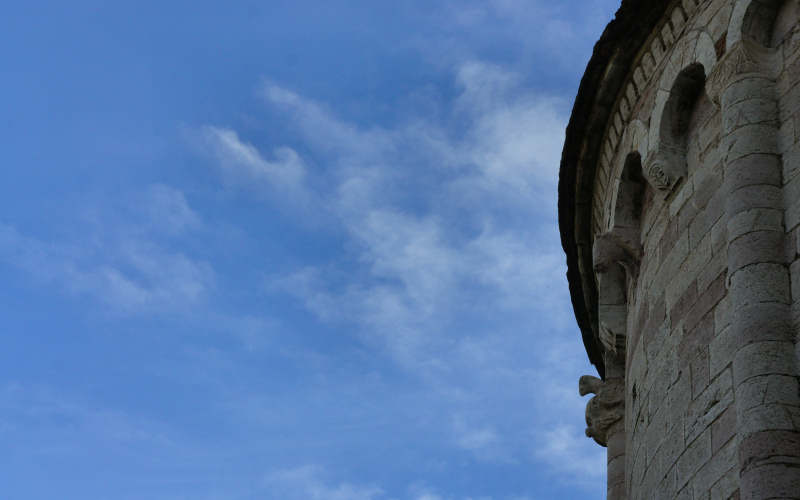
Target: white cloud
241,161
307,483
30,408
568,451
471,235
167,208
119,263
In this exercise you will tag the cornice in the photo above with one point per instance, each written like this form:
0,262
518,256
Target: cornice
623,65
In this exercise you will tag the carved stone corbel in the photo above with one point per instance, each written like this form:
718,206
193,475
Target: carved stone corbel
663,168
616,257
745,57
605,410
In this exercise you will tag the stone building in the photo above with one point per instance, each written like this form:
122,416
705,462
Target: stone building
679,208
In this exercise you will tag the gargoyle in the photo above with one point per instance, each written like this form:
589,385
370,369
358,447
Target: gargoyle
605,409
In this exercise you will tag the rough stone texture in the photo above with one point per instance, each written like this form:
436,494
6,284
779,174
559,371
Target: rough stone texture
700,331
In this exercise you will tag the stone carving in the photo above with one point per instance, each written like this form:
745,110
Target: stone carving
665,167
743,58
657,176
616,257
605,410
645,68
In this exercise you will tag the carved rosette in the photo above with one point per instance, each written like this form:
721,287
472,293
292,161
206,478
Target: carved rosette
657,175
606,410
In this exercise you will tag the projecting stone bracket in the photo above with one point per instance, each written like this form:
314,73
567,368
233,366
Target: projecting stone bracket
616,256
606,410
664,168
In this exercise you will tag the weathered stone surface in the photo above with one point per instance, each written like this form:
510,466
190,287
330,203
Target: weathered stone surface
605,409
711,313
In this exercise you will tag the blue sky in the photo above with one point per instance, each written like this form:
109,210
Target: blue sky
289,250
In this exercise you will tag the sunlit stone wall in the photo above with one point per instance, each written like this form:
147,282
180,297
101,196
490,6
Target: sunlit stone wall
695,223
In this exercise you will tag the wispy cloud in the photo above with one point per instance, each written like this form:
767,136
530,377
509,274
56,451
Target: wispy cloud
243,163
308,483
121,264
565,448
35,408
166,207
471,235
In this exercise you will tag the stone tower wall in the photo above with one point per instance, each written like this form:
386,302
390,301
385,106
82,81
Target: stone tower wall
695,239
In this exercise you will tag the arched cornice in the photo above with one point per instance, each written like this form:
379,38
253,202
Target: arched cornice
622,66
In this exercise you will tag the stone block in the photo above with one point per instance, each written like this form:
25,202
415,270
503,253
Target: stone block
771,481
709,405
750,139
792,214
706,184
749,88
722,315
696,339
756,247
767,389
719,237
791,157
721,351
723,429
763,358
715,469
750,197
706,301
699,369
727,486
753,170
760,283
751,112
680,306
718,265
757,219
693,458
767,417
682,196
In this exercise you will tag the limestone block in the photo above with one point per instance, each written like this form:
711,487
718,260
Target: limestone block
709,405
672,448
767,389
779,482
683,194
752,170
704,52
761,283
750,197
761,322
712,270
757,219
750,139
706,302
754,87
699,370
695,456
791,158
723,429
722,315
767,417
721,351
762,359
755,247
726,487
715,470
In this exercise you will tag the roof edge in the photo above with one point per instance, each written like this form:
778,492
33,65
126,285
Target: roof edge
607,71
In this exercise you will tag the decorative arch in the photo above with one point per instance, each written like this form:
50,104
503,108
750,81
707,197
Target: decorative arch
680,86
617,254
755,21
